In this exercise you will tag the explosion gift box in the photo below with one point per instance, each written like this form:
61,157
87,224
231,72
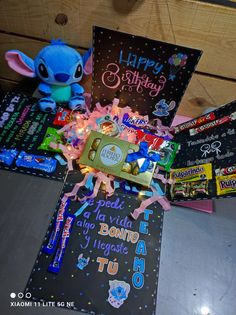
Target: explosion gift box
120,158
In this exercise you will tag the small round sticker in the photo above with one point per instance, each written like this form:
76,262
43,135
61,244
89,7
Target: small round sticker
111,155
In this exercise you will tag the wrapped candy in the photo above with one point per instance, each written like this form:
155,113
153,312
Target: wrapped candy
51,136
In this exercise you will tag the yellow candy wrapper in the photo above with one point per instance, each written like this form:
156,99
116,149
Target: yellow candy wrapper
192,174
226,184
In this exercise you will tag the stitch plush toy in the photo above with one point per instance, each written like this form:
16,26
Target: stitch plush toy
60,68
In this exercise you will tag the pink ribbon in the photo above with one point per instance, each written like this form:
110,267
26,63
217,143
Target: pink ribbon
161,130
163,201
102,178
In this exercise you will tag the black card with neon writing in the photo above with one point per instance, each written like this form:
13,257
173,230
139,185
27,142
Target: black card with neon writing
214,142
147,75
110,264
23,129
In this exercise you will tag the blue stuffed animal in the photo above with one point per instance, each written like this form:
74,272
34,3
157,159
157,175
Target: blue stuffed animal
60,68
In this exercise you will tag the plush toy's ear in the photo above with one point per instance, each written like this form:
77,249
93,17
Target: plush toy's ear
80,256
21,63
88,61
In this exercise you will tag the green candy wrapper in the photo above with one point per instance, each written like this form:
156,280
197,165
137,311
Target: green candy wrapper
51,135
168,151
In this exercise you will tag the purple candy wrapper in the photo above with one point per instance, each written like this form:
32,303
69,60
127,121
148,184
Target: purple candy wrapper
57,261
54,237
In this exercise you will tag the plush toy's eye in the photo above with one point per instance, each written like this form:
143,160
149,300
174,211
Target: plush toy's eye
43,71
78,71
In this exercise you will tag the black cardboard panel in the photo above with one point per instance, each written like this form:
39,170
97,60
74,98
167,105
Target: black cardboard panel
87,289
216,145
138,70
23,126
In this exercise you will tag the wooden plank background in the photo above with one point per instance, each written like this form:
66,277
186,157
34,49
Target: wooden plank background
27,25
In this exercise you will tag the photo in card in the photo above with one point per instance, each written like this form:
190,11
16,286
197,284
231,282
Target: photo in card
147,75
208,153
109,263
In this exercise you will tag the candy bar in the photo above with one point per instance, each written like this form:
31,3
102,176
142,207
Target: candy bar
180,190
51,136
226,184
37,162
194,123
212,124
7,156
193,173
226,171
199,188
63,117
57,261
50,247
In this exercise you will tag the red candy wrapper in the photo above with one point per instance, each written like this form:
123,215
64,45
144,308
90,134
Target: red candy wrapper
212,124
194,123
153,141
63,117
226,171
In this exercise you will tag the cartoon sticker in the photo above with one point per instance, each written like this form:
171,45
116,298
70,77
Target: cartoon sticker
163,108
118,292
82,262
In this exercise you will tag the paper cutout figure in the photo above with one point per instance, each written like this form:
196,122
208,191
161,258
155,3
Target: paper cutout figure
163,108
118,292
176,62
82,262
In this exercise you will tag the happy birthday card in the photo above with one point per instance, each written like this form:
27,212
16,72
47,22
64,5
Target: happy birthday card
147,75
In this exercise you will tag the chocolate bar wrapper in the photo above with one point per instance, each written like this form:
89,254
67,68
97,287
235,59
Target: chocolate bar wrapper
38,162
55,234
55,266
193,173
8,156
226,184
